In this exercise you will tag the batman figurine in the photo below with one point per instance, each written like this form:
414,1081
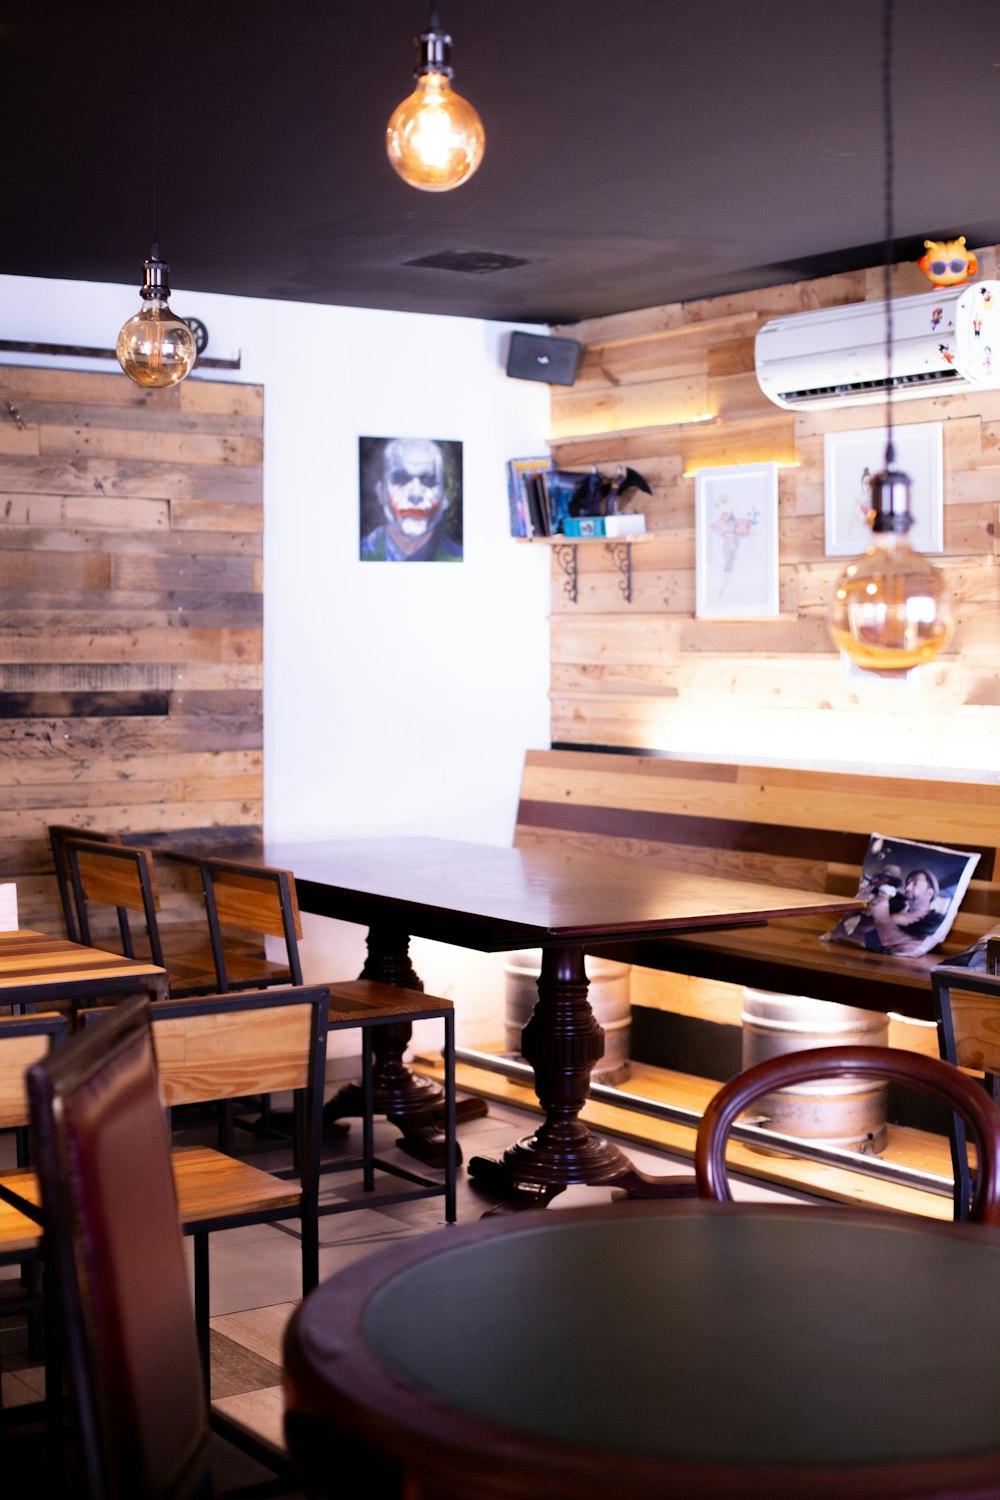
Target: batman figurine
599,494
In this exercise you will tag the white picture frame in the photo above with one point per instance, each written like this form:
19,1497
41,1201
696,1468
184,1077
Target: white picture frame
736,542
849,457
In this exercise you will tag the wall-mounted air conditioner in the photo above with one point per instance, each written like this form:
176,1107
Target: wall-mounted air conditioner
943,341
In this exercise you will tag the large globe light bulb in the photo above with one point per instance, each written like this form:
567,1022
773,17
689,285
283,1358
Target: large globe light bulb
435,138
891,610
155,348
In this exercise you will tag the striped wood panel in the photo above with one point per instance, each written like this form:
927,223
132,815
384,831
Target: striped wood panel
649,674
131,528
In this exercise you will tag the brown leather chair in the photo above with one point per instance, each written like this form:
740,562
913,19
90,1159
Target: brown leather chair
912,1069
116,1263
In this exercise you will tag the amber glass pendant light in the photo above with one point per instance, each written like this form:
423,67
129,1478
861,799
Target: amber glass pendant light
156,348
435,138
891,610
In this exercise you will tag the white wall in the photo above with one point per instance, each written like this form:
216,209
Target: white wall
397,699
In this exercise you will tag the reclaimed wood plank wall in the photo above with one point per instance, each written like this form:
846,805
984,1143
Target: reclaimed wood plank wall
649,674
131,528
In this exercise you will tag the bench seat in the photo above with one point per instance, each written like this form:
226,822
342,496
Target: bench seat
776,824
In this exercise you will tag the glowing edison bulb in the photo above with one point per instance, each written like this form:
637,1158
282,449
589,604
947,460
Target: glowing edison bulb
891,610
155,348
435,138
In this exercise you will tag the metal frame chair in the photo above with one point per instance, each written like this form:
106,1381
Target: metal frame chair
929,1074
263,898
967,1009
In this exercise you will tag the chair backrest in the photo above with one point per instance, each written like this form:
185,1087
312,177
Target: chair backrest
24,1040
967,1009
251,1042
113,875
254,898
58,834
912,1069
113,1238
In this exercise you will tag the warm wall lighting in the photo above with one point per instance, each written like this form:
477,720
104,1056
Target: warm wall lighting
156,348
891,609
435,139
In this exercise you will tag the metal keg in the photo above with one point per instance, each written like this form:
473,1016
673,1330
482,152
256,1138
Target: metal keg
850,1113
609,1000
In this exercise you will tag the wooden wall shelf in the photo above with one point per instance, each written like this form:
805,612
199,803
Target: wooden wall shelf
619,549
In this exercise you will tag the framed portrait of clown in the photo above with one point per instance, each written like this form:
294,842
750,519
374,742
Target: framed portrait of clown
411,499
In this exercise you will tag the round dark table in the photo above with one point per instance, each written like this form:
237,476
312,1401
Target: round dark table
685,1349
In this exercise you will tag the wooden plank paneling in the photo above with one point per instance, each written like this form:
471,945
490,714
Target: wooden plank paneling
131,613
649,673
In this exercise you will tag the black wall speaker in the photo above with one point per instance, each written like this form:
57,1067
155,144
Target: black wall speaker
535,356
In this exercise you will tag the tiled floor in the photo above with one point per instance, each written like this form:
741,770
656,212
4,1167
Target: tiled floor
256,1271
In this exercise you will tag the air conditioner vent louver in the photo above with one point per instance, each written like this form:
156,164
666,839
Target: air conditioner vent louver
943,342
861,387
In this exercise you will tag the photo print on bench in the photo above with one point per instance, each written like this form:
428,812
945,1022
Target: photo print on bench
912,893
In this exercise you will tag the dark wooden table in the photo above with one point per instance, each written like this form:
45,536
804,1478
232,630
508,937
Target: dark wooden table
649,1349
497,899
37,969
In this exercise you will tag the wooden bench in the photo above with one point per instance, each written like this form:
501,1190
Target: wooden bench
780,825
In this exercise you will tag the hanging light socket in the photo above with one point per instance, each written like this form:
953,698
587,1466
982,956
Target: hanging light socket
435,139
156,348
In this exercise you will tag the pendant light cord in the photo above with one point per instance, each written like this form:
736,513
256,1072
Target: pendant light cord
887,19
156,129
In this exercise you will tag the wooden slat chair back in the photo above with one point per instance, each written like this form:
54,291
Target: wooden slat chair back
255,899
967,1007
58,834
239,893
942,1080
124,878
121,1276
218,1047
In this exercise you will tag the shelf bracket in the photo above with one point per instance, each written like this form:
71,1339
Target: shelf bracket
621,556
566,558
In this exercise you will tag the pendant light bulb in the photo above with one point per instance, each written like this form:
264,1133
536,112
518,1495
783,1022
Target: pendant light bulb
891,610
156,348
435,138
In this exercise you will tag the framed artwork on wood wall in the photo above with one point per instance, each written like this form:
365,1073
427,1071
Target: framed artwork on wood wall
411,499
736,542
850,459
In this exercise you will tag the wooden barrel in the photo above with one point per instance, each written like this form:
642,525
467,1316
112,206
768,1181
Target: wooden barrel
609,1000
850,1113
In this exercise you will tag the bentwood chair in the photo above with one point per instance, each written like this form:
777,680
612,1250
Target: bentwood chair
967,1008
218,1047
123,878
930,1075
263,898
116,1264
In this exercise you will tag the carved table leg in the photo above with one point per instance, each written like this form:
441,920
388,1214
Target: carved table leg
563,1041
413,1104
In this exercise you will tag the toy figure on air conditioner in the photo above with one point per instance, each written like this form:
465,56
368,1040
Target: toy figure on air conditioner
948,263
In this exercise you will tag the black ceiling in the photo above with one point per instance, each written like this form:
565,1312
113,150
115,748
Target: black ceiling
638,151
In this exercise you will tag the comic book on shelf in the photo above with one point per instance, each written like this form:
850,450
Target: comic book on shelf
518,471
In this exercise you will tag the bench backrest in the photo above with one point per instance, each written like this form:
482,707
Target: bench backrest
777,824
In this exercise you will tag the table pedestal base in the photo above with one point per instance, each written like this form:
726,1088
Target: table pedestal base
414,1105
563,1041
